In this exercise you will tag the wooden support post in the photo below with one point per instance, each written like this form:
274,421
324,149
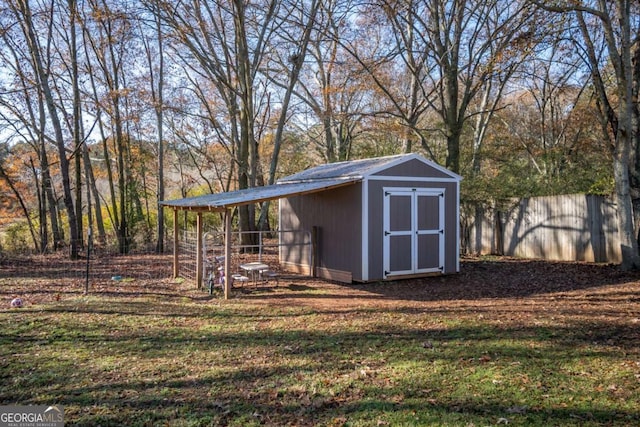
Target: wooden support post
199,254
176,245
227,253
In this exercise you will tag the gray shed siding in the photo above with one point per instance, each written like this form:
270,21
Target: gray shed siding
350,221
336,214
375,213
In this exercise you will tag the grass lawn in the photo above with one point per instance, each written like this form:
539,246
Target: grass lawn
505,342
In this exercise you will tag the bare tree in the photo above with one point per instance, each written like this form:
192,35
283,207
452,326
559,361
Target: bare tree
543,116
446,51
223,47
330,85
156,82
612,21
212,41
76,128
106,34
24,114
40,60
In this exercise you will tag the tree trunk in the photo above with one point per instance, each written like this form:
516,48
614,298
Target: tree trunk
624,142
159,101
91,182
453,150
77,137
120,147
43,81
47,187
42,209
247,150
624,211
634,162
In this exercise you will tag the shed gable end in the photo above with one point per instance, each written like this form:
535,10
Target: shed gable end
416,168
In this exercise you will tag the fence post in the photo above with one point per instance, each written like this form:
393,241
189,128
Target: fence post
199,250
227,253
176,245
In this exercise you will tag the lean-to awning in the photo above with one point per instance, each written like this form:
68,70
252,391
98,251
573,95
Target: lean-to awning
223,201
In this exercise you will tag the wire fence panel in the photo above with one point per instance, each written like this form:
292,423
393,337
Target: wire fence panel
100,266
95,265
188,249
265,247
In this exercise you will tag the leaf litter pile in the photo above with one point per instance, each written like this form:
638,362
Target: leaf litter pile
505,341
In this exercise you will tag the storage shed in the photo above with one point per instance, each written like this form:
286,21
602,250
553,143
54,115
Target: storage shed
399,218
373,219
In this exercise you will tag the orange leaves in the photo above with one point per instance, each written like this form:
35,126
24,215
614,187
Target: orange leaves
16,176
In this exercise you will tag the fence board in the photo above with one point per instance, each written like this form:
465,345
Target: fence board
574,227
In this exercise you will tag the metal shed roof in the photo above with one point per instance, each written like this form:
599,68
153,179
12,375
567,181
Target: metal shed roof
312,180
360,168
222,201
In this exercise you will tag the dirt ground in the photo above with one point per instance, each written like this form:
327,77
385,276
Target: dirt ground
504,291
599,299
39,280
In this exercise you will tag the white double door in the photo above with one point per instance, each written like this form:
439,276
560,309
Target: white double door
413,231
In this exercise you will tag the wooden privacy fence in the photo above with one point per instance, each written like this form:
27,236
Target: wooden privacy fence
574,227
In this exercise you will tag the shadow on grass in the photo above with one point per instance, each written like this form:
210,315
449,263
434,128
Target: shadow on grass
306,377
144,356
266,408
503,279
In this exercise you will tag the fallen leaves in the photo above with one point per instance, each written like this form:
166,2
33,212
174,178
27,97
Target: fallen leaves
503,341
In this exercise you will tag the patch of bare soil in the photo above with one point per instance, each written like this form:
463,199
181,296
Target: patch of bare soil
494,286
479,279
601,301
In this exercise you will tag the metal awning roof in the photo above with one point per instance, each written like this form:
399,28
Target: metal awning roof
222,201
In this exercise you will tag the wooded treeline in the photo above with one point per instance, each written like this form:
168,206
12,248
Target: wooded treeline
108,106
